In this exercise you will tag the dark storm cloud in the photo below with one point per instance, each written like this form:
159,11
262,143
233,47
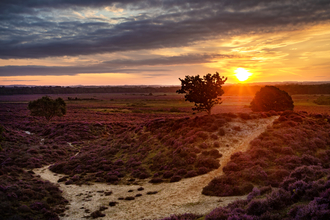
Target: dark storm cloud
173,60
61,71
113,66
28,30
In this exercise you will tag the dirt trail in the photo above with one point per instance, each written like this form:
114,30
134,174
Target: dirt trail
172,198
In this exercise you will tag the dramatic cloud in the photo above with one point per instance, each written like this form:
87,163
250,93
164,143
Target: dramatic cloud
118,66
96,41
35,29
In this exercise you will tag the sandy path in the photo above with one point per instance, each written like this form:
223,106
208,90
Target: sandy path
180,197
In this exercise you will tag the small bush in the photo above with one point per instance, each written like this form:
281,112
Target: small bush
191,173
156,180
221,132
175,178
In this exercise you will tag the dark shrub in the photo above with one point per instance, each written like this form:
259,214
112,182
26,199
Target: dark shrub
24,209
156,180
275,177
175,178
97,214
62,179
181,172
112,178
207,162
279,199
287,150
255,192
168,174
129,198
215,153
214,136
152,192
108,193
271,98
203,135
191,173
254,174
202,170
308,173
204,146
144,176
310,160
244,116
221,132
69,182
216,144
186,216
257,207
218,214
265,189
231,166
270,216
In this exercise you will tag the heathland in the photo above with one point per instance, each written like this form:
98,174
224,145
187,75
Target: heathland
149,156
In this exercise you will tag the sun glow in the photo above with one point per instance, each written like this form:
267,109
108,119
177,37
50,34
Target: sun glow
242,74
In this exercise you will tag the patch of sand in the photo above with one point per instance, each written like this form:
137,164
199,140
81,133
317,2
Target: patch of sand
172,198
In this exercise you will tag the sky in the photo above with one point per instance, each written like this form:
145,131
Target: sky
156,42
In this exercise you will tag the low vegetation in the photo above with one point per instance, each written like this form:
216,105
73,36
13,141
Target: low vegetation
165,150
23,196
271,98
322,100
296,139
285,173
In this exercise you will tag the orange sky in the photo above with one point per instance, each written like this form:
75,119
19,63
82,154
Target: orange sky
157,42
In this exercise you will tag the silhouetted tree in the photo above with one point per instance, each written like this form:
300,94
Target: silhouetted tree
47,107
203,91
271,98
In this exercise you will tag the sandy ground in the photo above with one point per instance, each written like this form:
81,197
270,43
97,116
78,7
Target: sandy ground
171,198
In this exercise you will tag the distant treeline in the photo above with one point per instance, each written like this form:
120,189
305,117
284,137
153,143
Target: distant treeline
292,89
83,89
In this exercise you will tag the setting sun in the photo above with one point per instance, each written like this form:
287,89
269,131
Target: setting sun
242,74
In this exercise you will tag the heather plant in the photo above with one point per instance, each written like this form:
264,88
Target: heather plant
24,196
275,154
186,216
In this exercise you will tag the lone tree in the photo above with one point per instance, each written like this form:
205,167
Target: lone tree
271,98
203,91
47,107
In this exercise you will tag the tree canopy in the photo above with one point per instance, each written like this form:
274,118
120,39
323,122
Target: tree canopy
271,98
47,107
204,91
